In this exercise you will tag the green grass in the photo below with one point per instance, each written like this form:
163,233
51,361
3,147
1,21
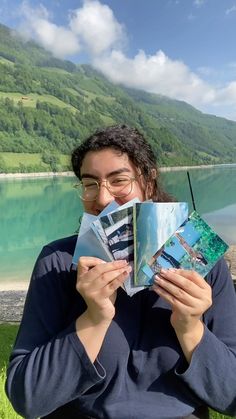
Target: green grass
13,160
31,99
216,415
5,61
6,410
56,70
7,336
107,119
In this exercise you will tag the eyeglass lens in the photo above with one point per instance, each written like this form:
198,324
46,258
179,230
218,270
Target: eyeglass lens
119,185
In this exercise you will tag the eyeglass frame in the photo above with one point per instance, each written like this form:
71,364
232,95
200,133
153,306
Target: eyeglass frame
98,183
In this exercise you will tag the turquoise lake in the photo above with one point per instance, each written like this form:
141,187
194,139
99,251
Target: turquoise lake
36,211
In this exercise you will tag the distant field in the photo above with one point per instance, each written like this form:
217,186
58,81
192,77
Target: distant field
31,99
5,61
14,160
107,119
55,70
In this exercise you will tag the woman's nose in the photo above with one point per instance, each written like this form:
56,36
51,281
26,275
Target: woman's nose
104,197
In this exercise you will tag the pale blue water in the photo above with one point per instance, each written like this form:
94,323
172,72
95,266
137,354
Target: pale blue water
34,212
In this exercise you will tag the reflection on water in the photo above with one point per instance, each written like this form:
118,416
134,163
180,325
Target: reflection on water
34,212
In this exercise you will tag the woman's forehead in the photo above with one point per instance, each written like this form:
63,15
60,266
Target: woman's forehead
106,161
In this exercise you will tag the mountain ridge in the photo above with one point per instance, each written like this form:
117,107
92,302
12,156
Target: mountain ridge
48,105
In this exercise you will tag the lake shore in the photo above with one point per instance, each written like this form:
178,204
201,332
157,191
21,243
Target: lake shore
230,258
13,286
35,175
71,174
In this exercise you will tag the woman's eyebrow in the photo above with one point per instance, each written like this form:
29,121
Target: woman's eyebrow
114,172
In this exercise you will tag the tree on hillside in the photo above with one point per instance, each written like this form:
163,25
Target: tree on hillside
52,159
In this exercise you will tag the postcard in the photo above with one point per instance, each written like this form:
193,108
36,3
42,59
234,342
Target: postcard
194,245
87,218
118,230
87,243
115,231
153,224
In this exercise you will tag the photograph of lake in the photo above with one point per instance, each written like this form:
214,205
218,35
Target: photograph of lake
35,211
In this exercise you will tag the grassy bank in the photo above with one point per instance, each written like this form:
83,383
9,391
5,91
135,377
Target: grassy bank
56,162
7,337
33,162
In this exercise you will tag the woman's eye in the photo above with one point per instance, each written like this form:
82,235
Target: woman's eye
90,185
118,181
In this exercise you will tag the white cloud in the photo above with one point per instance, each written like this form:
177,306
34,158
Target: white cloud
96,25
57,39
162,75
92,27
230,10
156,73
29,13
226,95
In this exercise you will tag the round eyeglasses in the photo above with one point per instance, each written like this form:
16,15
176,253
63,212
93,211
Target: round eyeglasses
118,185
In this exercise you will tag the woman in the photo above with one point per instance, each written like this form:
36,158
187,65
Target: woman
85,349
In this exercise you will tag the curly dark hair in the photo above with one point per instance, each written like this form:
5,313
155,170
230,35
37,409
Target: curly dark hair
125,140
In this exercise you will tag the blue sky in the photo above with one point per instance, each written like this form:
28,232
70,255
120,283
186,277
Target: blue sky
184,49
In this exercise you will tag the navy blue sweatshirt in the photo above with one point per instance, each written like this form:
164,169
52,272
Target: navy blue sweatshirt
140,371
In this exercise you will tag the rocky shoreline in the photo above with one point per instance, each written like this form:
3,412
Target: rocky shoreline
230,258
12,301
11,306
34,175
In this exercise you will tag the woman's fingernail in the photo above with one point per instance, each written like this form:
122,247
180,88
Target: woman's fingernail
121,262
159,282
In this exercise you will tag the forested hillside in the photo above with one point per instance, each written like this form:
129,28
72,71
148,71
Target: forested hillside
47,106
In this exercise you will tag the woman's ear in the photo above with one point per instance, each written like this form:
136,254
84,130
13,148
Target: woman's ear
153,173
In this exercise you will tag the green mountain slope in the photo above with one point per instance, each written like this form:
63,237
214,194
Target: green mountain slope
49,105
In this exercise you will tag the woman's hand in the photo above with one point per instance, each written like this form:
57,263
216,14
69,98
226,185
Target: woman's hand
189,296
97,282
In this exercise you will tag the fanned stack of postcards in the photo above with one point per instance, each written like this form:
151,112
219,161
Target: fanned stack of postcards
149,235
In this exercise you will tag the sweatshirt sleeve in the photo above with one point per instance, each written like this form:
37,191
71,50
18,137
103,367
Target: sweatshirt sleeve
49,366
211,374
